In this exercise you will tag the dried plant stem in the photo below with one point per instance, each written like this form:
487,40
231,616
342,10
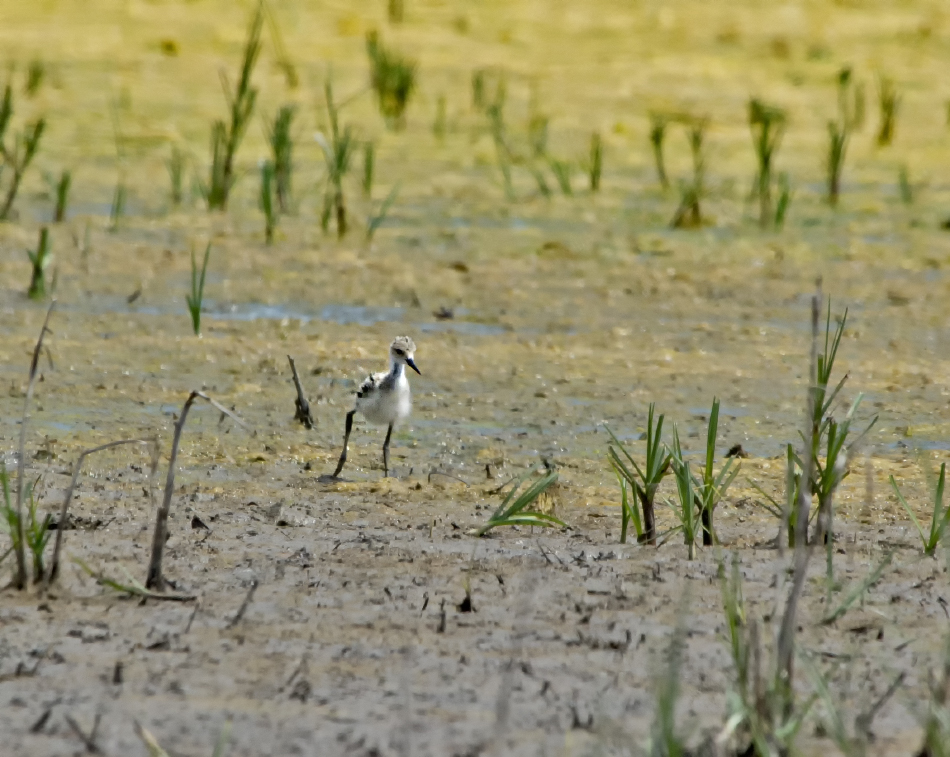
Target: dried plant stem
20,579
155,580
302,413
53,571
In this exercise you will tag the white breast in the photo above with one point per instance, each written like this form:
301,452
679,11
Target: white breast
387,402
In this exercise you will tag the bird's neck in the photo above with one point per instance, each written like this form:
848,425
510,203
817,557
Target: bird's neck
396,369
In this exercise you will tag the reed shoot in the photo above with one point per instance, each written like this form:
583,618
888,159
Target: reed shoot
657,136
35,74
562,172
369,165
784,200
839,131
514,510
376,219
767,124
118,206
176,173
40,259
281,144
267,200
393,78
62,196
889,102
595,167
939,518
687,497
16,158
337,154
197,289
226,138
688,214
643,481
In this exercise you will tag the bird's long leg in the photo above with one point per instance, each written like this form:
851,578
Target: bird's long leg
346,442
389,433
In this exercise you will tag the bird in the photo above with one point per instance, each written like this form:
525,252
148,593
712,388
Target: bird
384,398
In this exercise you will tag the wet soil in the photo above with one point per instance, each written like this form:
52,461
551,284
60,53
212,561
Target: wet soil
567,313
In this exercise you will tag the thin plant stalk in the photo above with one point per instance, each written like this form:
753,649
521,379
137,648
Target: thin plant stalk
515,509
369,164
40,261
53,571
939,517
197,289
176,172
118,206
376,219
337,154
657,137
767,124
393,79
155,579
596,161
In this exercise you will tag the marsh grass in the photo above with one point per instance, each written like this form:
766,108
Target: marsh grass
850,117
283,59
857,591
197,294
268,201
645,481
369,167
516,510
596,165
62,196
376,219
495,112
665,739
687,497
658,124
784,200
281,144
35,75
393,79
40,260
538,134
562,172
888,103
117,211
396,11
337,154
227,137
767,124
16,158
689,214
176,174
939,517
711,487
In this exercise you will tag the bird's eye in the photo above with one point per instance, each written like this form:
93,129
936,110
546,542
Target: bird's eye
400,353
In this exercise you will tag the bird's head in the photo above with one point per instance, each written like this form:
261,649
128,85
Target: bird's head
402,350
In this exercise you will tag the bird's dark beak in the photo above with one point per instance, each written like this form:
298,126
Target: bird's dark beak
412,365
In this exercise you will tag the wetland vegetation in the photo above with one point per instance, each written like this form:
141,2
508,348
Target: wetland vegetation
661,492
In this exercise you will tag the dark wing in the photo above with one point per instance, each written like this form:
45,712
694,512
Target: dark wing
370,384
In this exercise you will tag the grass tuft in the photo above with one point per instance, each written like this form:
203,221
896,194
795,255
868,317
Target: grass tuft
35,75
393,78
889,103
658,124
197,289
939,517
595,167
282,146
62,196
117,211
376,219
645,481
176,173
515,510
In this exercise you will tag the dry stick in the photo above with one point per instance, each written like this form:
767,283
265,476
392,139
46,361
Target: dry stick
54,565
155,580
786,638
90,740
243,608
20,580
303,407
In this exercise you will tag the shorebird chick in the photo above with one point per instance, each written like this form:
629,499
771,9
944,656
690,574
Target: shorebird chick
383,398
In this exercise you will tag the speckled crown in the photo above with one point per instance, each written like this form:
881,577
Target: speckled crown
403,343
